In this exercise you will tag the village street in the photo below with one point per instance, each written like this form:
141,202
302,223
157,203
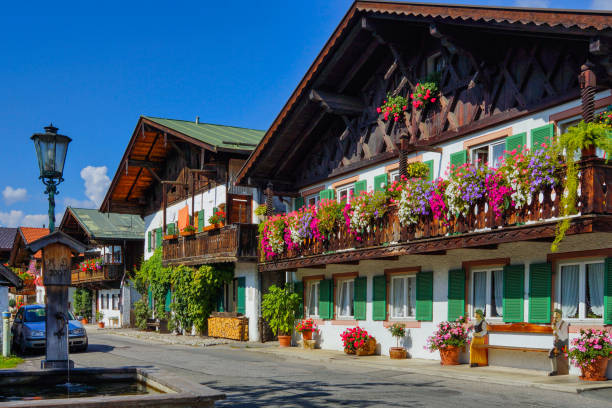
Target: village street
254,379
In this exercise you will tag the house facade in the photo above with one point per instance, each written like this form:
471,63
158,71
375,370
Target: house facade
33,290
177,174
7,279
507,79
115,243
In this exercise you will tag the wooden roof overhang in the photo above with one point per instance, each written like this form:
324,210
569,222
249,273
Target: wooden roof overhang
71,226
328,95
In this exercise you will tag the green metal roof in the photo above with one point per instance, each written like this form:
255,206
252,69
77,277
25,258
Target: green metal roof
220,136
109,225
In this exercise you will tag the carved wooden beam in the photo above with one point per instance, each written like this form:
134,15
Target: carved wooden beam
144,163
154,174
336,103
434,30
363,58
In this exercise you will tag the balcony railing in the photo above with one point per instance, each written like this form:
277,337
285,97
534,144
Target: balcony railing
227,244
388,238
109,272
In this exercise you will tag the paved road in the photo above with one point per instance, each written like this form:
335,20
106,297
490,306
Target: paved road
252,379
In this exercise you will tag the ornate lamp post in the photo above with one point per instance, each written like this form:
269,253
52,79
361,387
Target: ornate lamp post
51,150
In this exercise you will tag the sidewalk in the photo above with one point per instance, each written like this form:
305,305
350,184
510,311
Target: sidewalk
160,338
493,375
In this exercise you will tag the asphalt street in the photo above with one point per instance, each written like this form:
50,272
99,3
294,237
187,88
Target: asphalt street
252,379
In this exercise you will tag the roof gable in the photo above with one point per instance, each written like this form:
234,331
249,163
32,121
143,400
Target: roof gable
7,238
107,226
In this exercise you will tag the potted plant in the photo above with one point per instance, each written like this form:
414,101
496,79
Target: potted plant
306,327
358,341
425,93
279,307
99,317
449,339
591,352
393,105
398,331
188,231
217,219
260,212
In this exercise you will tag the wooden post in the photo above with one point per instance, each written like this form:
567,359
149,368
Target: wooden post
269,200
164,204
403,156
192,174
588,83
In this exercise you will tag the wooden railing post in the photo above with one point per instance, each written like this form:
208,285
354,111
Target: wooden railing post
588,83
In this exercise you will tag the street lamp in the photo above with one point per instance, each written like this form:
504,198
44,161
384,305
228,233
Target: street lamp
51,150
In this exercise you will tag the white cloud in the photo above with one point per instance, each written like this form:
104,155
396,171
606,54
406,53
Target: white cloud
532,3
96,183
14,195
601,5
11,219
75,202
37,220
16,218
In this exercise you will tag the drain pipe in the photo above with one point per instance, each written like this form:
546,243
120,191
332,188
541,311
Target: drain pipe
6,334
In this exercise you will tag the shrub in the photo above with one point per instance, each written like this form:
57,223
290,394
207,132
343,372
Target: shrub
279,307
141,314
82,302
398,331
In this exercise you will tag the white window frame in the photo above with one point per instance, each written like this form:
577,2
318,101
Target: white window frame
489,145
347,188
337,305
489,293
582,307
312,284
391,308
393,174
310,197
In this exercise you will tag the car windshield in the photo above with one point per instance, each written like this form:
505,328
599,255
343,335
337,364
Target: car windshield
38,315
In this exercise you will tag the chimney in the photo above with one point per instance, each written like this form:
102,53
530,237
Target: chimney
197,120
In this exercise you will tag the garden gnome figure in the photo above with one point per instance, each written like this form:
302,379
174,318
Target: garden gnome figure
478,356
560,343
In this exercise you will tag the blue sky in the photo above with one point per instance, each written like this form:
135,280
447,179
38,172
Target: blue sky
93,68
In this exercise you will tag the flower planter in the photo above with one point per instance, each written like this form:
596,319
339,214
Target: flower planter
84,321
101,325
397,353
172,236
187,233
307,335
284,341
369,348
449,355
595,371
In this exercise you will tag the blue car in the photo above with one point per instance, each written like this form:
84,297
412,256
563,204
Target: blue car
29,330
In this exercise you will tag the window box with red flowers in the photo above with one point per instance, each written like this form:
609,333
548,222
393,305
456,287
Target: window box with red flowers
358,341
188,231
217,219
393,107
425,93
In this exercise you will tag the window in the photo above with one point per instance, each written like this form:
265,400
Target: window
115,302
487,291
228,297
435,63
312,200
344,308
488,154
580,290
394,175
312,298
403,296
345,193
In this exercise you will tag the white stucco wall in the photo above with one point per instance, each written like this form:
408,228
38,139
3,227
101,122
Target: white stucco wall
108,311
248,270
4,306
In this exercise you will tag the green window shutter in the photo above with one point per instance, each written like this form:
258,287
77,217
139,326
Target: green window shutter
148,241
424,296
201,220
360,186
379,298
430,165
323,195
540,282
241,295
517,142
328,194
298,287
514,278
326,299
150,296
380,182
607,315
459,158
542,134
456,294
360,290
170,229
158,237
298,203
168,301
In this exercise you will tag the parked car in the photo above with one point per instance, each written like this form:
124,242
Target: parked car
29,330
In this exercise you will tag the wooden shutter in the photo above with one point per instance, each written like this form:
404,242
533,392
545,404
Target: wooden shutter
380,182
158,237
360,186
430,165
170,229
424,296
241,295
168,301
326,299
517,142
328,194
298,287
150,296
379,298
459,158
360,290
540,283
514,281
542,134
149,241
607,315
298,203
201,220
456,294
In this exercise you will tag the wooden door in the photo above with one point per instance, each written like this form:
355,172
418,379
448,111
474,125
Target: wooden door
239,209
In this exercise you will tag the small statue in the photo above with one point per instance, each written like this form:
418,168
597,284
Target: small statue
560,340
478,356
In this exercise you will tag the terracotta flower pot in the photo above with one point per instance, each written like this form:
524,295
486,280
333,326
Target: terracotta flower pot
449,355
595,371
84,321
284,341
307,335
397,353
101,325
369,348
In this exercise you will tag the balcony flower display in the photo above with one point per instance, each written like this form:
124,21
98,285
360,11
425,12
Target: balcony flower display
217,218
414,199
298,226
364,210
273,236
393,106
591,352
91,265
328,218
466,186
425,93
604,117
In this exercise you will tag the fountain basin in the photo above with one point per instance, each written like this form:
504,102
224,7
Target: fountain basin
101,387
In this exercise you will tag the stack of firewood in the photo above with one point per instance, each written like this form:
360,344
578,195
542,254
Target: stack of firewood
235,328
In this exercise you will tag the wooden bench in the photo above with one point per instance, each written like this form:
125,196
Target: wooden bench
518,328
157,324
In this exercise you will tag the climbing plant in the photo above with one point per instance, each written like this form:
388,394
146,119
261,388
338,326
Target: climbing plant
82,302
153,276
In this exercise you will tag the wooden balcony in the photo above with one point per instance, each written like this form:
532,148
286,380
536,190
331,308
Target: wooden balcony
228,244
480,229
109,272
